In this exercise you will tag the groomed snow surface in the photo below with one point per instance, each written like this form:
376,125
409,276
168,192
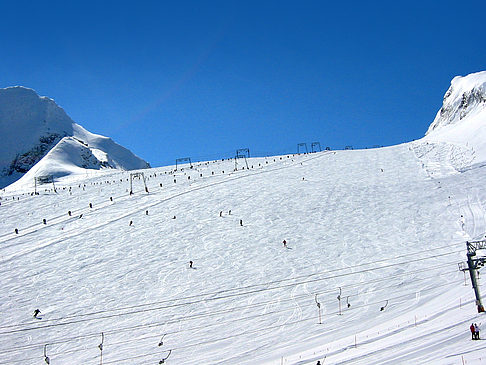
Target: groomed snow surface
379,227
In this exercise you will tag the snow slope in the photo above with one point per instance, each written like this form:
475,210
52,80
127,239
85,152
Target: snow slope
381,228
459,128
36,131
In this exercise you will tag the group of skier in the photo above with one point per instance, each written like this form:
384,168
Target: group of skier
474,331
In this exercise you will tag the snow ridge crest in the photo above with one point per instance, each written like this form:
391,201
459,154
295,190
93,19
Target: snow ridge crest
465,97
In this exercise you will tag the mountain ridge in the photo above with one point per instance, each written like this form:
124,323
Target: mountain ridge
33,126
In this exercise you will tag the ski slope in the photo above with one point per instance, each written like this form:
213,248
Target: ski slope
379,227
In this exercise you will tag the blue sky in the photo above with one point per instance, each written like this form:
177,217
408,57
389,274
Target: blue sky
200,79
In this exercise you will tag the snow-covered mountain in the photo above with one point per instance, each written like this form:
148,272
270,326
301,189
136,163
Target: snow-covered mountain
459,128
39,138
465,99
368,274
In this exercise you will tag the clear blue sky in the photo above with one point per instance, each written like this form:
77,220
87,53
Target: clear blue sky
202,78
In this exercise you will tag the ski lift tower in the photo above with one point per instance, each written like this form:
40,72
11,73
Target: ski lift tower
140,176
242,153
316,144
299,145
183,159
41,180
473,264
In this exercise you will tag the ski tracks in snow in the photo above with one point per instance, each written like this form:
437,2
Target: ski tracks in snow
33,246
475,224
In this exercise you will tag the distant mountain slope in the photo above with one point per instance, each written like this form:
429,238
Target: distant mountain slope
39,136
461,121
464,100
455,140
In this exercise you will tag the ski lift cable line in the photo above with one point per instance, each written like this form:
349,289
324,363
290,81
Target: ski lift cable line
197,316
222,338
154,337
257,172
206,300
102,204
232,336
134,340
156,203
233,289
173,332
174,349
377,303
205,315
15,330
205,326
225,311
263,315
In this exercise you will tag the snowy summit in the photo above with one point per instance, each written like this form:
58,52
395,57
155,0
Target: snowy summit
465,99
40,139
461,121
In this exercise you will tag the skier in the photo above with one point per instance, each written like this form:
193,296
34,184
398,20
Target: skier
473,331
318,363
241,222
190,264
284,243
462,222
36,312
476,331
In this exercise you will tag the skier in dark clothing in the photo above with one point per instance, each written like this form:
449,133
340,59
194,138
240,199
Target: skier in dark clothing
190,264
473,331
284,243
36,313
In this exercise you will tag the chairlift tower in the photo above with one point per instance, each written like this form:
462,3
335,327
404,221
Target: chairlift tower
473,264
299,145
183,159
242,153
